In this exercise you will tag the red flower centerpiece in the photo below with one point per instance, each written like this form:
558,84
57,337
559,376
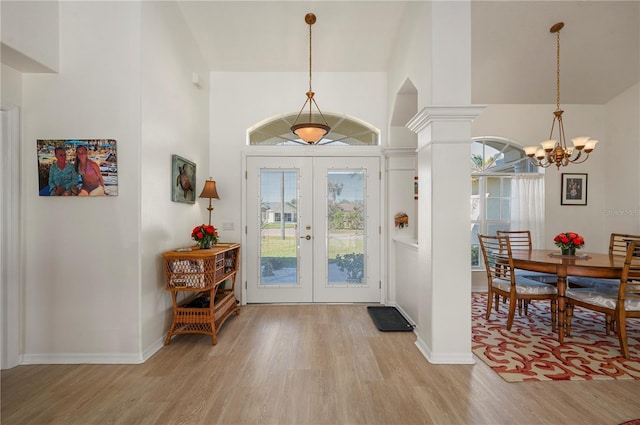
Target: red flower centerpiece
205,235
569,242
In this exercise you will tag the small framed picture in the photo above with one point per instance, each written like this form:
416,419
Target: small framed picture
574,189
183,180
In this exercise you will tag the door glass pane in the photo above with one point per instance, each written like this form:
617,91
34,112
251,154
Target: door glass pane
346,223
278,228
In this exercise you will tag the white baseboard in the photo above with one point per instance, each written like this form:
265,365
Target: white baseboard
85,358
444,358
404,313
93,358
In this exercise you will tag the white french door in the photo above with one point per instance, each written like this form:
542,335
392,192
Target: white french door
313,229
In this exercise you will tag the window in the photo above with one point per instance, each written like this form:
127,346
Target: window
344,131
496,167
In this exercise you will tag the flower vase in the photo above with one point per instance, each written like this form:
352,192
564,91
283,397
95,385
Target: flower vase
205,244
570,250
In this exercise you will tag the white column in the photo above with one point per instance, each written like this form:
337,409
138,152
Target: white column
444,138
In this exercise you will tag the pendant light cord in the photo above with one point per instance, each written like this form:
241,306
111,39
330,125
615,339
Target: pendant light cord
558,70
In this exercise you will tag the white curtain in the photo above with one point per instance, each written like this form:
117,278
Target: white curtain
527,207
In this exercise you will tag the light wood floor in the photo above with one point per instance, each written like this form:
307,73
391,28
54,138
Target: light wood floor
303,364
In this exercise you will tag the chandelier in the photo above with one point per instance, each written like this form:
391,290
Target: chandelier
310,132
556,151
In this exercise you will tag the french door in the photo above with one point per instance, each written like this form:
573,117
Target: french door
313,229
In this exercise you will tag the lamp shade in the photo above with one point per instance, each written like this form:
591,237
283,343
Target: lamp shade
209,190
310,132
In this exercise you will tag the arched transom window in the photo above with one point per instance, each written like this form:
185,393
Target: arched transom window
497,155
345,131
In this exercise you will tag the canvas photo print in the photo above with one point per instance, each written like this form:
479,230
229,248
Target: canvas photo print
77,167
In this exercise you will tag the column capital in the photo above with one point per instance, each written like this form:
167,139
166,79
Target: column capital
432,114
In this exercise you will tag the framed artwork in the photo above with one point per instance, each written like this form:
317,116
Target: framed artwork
574,189
77,167
183,180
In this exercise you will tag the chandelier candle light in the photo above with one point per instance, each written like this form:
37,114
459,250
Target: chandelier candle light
556,151
310,132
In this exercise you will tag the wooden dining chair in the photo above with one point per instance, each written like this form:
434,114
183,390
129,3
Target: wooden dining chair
619,303
618,244
521,240
502,279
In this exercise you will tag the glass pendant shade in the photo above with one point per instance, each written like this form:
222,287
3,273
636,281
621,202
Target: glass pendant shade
310,132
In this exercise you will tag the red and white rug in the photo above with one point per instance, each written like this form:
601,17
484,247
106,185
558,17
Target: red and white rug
531,352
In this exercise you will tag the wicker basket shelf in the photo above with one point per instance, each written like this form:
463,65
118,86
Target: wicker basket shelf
202,273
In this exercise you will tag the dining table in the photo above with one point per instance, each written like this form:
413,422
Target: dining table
585,264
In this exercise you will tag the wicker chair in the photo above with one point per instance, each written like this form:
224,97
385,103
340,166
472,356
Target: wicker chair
619,303
502,280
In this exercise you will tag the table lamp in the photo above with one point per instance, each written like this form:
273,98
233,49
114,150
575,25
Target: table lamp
209,191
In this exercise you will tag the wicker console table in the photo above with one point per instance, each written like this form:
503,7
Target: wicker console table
199,275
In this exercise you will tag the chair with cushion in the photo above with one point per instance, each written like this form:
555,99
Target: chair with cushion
618,244
620,303
502,279
521,240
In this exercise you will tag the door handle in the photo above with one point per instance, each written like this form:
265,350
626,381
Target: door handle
308,237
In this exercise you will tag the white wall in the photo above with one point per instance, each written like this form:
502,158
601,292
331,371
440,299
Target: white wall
30,35
94,283
11,88
82,270
412,58
621,149
174,120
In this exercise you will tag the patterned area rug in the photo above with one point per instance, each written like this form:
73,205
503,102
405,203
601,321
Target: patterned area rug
531,352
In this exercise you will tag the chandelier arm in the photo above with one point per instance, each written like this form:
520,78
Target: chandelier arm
542,163
575,160
583,160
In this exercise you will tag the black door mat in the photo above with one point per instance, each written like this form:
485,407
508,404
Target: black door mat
389,319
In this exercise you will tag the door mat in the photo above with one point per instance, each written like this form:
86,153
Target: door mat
389,319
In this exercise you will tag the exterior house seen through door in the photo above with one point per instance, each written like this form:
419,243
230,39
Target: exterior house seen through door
313,229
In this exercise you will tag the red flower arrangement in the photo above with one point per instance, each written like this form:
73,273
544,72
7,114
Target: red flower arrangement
569,241
205,235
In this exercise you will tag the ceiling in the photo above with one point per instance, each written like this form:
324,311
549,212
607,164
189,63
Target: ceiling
512,51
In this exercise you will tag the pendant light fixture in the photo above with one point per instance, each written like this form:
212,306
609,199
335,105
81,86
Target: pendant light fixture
310,132
555,151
